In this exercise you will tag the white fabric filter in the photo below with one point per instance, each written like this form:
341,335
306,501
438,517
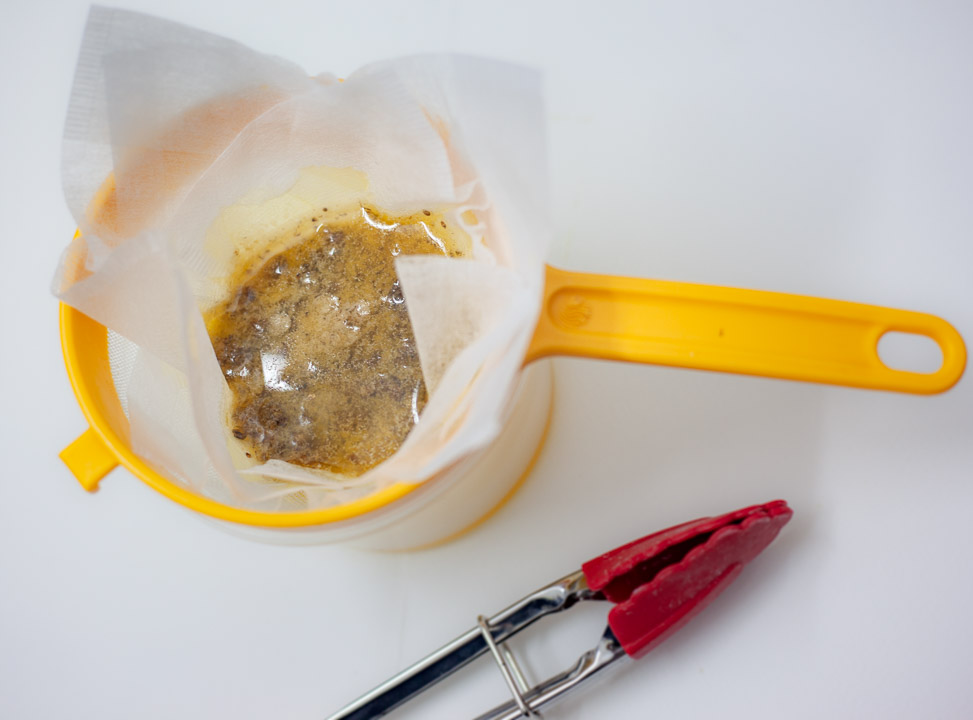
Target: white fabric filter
192,127
122,354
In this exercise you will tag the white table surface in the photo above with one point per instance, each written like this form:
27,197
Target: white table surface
820,148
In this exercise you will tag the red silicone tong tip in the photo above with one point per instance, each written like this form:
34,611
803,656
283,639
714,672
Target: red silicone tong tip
663,580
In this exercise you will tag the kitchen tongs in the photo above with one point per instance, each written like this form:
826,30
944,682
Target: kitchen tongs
657,584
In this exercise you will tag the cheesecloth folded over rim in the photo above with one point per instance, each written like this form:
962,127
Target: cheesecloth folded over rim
171,130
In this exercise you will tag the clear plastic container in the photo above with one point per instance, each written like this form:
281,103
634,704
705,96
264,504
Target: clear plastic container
396,518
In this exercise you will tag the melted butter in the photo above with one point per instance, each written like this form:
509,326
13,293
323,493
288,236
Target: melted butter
315,341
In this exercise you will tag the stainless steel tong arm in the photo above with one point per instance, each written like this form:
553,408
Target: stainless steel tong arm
559,595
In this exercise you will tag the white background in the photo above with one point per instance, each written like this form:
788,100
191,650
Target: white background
822,148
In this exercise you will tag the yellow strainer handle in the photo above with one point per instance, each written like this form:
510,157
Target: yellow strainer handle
739,331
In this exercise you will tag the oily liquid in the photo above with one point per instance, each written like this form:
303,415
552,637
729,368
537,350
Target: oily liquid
316,345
